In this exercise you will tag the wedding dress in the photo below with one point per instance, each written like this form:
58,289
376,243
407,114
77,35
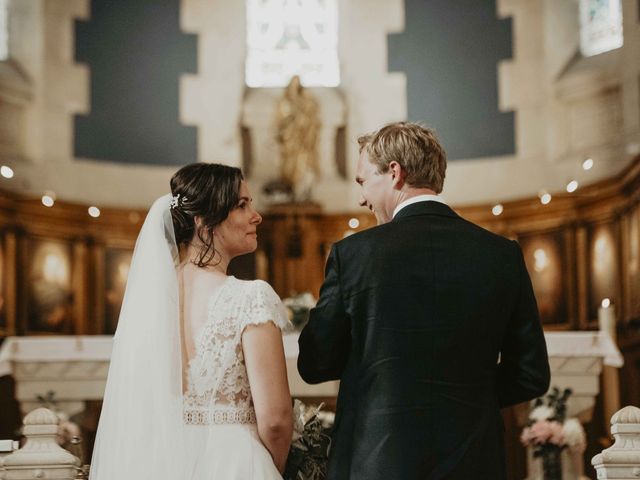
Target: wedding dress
169,413
221,433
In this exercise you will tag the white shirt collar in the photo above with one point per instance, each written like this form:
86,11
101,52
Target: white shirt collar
416,199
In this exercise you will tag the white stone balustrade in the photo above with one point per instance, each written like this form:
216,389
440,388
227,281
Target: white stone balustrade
621,461
7,447
41,456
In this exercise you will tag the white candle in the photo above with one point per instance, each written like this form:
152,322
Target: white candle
610,376
607,318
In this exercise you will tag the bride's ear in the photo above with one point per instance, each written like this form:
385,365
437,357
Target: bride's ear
201,228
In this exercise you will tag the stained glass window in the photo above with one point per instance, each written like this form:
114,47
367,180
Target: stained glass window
4,31
292,37
600,26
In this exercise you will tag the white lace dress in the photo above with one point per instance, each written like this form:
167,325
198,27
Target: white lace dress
218,409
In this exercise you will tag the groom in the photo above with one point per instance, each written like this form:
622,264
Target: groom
430,323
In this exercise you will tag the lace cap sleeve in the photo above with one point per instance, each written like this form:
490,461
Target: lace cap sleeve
264,305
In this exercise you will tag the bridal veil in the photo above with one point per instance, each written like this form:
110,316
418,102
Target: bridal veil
140,435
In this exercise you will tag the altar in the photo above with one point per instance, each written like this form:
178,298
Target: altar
576,360
75,369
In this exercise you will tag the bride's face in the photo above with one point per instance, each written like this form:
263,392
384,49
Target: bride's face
237,234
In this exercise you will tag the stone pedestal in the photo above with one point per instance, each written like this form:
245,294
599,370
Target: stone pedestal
621,460
41,456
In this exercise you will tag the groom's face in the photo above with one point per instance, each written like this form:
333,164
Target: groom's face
377,189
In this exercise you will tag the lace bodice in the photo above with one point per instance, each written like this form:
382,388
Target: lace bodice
218,387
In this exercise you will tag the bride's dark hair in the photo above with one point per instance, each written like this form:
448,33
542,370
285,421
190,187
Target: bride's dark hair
206,190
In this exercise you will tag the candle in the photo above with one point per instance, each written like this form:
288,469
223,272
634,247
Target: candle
607,318
610,378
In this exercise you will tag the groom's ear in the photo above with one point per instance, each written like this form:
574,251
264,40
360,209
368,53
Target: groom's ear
397,175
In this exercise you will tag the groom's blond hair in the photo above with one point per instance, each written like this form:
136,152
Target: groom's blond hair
415,148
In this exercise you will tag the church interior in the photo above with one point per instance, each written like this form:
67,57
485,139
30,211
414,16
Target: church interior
537,103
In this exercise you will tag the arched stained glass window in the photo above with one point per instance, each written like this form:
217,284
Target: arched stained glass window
600,26
292,37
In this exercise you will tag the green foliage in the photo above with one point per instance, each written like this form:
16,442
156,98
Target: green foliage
309,453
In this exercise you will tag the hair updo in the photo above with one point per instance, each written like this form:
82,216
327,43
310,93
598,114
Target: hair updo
206,190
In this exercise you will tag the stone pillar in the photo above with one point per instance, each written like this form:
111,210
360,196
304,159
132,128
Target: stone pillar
41,456
622,459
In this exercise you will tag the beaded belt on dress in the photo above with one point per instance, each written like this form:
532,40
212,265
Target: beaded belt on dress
193,416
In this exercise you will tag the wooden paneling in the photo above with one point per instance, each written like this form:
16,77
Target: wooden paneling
295,240
9,276
552,275
78,240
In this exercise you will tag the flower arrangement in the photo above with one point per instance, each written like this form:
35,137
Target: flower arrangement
311,443
68,432
298,307
549,432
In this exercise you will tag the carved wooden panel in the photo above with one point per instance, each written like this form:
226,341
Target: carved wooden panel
4,324
48,285
116,270
603,265
631,263
550,272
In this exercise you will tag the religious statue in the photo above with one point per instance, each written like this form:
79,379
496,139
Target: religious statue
298,126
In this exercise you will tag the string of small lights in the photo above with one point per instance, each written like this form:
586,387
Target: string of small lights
546,197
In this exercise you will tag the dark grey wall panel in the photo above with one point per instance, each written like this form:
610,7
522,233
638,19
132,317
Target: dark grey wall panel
449,52
136,54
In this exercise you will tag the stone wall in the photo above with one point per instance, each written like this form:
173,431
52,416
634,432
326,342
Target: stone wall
567,108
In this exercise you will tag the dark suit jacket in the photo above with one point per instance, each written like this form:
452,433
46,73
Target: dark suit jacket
412,318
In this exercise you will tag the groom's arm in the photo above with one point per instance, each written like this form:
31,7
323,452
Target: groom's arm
325,341
523,372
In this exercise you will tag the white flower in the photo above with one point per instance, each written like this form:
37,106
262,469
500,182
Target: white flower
308,300
574,434
302,300
327,419
542,413
298,418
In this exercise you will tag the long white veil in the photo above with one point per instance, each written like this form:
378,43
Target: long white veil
140,434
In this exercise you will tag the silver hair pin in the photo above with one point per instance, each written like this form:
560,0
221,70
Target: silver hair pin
177,201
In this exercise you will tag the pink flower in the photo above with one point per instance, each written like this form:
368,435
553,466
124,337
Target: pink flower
525,437
66,431
543,431
557,434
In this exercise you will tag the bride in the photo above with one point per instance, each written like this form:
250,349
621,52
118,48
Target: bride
197,386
